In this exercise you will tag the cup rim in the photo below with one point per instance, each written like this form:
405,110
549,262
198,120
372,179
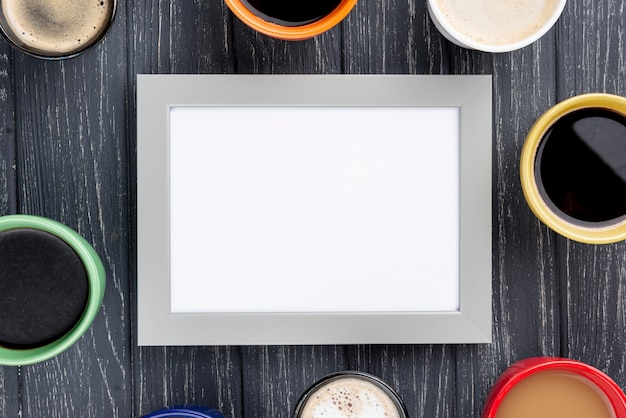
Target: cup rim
391,392
602,234
465,41
177,413
95,276
7,34
525,368
291,33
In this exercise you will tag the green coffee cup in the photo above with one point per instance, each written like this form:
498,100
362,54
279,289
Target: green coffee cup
52,283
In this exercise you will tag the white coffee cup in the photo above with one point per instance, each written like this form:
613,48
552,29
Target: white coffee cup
494,26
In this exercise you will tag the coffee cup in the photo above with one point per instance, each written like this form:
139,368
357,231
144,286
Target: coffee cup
573,168
546,387
494,26
55,29
51,288
188,411
350,394
290,19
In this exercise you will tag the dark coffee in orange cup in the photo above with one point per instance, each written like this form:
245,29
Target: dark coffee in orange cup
289,19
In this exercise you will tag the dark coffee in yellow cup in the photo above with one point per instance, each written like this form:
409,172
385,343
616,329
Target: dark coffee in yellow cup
573,168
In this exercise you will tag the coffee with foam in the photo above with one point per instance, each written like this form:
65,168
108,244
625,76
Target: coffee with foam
498,22
56,27
350,396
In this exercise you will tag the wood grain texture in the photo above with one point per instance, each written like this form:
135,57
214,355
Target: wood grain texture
387,36
72,167
175,376
423,375
276,376
181,37
594,277
7,132
67,151
254,53
526,316
9,376
395,37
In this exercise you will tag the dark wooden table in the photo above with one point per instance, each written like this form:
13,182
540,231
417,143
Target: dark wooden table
67,151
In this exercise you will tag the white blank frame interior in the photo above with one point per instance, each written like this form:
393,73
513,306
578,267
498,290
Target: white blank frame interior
314,209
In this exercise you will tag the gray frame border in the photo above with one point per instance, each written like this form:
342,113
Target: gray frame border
156,94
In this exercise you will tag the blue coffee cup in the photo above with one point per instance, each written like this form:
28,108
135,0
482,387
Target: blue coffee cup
186,412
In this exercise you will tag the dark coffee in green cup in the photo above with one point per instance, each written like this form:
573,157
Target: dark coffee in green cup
51,287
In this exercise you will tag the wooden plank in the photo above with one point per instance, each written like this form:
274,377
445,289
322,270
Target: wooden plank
594,281
181,37
9,376
256,53
591,59
72,155
175,376
525,277
396,37
9,392
276,376
8,199
423,375
392,36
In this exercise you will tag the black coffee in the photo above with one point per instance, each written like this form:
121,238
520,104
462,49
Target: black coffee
43,288
581,166
291,12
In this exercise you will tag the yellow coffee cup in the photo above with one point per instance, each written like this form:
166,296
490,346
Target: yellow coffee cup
573,168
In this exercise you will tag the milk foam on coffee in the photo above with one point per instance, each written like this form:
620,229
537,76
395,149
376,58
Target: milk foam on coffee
349,397
498,22
57,26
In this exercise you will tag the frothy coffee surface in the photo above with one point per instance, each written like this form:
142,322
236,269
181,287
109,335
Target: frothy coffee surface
56,26
349,397
498,22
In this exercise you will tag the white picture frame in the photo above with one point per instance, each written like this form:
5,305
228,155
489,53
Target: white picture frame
192,128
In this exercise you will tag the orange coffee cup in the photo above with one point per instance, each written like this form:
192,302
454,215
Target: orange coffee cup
291,20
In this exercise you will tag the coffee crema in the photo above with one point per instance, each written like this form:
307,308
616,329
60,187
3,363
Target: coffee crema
555,394
291,12
56,27
349,397
44,288
580,166
498,22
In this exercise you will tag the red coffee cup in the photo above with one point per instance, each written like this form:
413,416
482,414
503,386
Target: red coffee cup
523,371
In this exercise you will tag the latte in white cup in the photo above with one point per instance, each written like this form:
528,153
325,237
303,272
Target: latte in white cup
350,395
494,25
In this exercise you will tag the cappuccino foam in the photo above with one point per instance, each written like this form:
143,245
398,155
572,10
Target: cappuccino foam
498,22
56,27
349,397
